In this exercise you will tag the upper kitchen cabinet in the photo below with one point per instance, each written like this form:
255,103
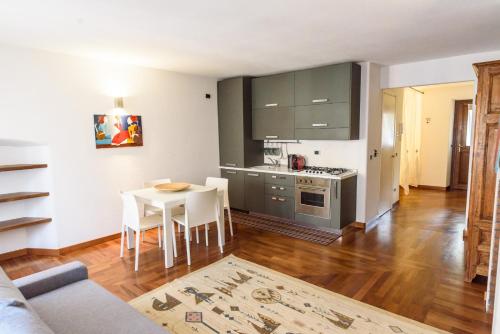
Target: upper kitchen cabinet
273,91
236,147
327,100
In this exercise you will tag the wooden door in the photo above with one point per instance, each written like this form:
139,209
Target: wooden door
483,176
461,144
387,152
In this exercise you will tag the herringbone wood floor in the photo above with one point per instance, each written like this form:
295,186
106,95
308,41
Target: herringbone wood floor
411,263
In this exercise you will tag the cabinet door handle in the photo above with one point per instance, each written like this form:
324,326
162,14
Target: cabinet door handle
281,199
281,188
271,105
230,164
252,174
230,172
319,100
274,198
273,187
319,125
272,137
274,176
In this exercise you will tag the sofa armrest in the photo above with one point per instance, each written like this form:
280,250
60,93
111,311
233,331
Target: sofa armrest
51,279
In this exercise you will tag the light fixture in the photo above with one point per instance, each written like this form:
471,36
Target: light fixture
119,102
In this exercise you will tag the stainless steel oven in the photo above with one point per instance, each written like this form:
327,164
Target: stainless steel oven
312,196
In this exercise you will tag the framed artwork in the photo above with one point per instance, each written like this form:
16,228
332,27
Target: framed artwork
117,131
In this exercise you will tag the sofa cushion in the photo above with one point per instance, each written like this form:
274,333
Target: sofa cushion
85,307
16,315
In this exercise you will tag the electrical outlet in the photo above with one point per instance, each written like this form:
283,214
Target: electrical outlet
316,152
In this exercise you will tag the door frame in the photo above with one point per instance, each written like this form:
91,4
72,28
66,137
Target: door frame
455,164
380,210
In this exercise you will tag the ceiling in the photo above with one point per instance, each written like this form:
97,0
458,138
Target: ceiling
223,38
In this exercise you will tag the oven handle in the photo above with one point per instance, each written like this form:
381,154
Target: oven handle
313,189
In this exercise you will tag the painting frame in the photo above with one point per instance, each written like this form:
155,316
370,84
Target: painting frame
117,131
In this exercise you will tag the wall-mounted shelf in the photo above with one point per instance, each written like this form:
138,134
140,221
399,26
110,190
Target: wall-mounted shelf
11,224
9,168
19,196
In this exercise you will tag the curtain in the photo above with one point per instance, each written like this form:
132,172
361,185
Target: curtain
410,139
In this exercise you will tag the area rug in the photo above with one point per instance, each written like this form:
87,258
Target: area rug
234,296
289,229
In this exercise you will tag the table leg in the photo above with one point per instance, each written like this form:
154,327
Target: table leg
130,238
167,237
221,219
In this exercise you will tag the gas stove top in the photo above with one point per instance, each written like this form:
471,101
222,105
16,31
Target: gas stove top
313,170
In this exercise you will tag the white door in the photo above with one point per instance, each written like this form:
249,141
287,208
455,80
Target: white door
387,152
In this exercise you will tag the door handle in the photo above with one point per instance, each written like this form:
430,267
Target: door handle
319,100
252,174
460,147
230,164
272,137
273,187
319,125
230,172
281,199
271,104
274,198
282,188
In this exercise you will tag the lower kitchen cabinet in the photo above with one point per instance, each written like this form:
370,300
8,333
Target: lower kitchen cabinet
236,187
254,192
279,206
343,202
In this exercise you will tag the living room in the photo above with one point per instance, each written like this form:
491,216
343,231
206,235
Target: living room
177,168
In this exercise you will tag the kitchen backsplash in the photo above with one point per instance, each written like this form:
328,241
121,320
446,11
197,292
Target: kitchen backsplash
331,153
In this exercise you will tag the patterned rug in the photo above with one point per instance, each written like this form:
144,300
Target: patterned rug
234,296
289,229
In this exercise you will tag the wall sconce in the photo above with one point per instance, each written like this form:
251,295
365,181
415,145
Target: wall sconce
119,102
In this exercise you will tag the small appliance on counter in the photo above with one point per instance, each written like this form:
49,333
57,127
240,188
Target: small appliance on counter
296,162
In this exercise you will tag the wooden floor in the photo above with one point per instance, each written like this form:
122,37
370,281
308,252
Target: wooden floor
411,263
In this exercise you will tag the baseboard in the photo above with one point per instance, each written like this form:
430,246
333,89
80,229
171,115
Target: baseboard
359,225
56,252
426,187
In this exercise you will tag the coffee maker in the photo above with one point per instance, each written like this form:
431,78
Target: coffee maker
296,162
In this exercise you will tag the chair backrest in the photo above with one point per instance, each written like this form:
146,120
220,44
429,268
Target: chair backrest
201,207
220,184
152,183
131,212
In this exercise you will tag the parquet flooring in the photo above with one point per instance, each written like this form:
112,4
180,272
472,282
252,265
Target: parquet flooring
411,263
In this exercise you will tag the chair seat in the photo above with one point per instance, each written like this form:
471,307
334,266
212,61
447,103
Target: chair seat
151,221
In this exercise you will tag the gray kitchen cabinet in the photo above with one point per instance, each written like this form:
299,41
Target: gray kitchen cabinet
254,192
273,123
236,146
343,202
280,206
236,187
328,98
273,91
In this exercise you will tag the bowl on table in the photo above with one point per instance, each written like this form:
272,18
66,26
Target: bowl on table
171,187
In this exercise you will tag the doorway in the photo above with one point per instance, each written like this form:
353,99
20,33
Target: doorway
388,152
462,136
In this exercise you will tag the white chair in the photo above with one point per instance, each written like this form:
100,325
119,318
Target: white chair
152,210
201,208
132,219
222,184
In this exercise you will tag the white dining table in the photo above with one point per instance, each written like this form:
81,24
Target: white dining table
166,201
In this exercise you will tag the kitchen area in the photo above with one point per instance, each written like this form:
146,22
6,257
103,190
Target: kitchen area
260,118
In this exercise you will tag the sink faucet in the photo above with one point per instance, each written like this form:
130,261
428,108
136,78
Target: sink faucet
275,162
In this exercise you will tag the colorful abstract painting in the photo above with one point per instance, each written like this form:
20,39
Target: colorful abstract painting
117,131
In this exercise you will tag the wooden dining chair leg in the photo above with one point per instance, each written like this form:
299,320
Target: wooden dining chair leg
122,241
206,235
188,251
197,235
230,221
174,242
137,244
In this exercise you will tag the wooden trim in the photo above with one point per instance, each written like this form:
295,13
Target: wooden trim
426,187
13,254
88,243
359,225
18,196
395,204
9,168
57,252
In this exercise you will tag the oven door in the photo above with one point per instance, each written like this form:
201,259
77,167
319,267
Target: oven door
313,201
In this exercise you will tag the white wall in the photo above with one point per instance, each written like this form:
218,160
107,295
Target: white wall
50,98
353,153
438,104
434,71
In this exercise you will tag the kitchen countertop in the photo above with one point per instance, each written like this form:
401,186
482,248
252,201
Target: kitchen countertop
285,170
